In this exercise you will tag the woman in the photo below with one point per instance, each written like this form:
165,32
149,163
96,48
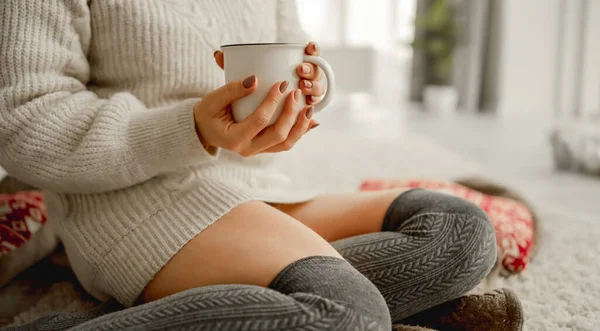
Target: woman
115,109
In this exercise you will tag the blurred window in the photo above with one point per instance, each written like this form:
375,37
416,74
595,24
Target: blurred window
377,23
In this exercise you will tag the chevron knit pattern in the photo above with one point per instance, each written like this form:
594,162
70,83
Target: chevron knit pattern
433,257
313,294
443,247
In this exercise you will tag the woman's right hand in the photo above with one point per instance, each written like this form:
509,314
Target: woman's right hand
216,127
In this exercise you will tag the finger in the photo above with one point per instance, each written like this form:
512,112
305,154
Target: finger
313,124
312,99
312,49
299,129
228,93
308,71
311,87
260,118
220,59
279,131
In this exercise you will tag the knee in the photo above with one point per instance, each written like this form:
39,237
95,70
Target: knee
344,297
472,237
459,225
479,247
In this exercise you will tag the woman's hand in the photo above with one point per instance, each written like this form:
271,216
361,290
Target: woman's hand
216,126
310,74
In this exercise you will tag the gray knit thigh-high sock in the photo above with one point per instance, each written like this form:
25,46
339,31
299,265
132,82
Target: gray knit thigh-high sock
314,293
434,248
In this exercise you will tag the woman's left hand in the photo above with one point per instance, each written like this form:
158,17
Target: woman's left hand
310,75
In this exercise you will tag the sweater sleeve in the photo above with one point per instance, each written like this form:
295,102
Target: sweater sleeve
57,135
289,29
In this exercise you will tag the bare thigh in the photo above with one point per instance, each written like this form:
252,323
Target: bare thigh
343,215
249,245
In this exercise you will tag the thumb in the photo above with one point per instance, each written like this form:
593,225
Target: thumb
232,91
220,59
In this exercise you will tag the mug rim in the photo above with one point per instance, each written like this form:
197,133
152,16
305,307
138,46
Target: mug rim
262,44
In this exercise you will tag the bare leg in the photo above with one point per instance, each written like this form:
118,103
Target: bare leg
344,215
250,245
434,247
257,269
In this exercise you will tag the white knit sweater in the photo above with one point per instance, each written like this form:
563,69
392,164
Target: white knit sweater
96,102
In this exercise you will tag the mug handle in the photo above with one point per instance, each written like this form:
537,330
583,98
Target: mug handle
328,97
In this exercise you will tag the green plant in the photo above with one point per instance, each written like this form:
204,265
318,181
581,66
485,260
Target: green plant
438,40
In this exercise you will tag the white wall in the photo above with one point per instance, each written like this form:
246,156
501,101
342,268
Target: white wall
569,62
549,57
578,87
528,55
590,80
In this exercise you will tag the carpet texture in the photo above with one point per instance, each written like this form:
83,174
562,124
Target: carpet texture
560,288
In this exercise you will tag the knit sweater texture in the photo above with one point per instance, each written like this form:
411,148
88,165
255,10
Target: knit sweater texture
96,109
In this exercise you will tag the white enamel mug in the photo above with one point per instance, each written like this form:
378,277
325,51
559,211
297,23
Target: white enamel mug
271,63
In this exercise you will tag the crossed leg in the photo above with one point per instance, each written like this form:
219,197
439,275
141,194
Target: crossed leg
434,247
280,274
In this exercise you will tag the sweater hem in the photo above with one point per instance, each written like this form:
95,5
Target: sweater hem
125,271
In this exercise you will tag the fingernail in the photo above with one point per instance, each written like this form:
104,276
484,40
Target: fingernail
297,94
305,69
307,83
283,86
249,81
309,112
314,99
315,47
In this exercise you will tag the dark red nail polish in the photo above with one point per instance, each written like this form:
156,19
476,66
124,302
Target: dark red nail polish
283,86
309,112
249,81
